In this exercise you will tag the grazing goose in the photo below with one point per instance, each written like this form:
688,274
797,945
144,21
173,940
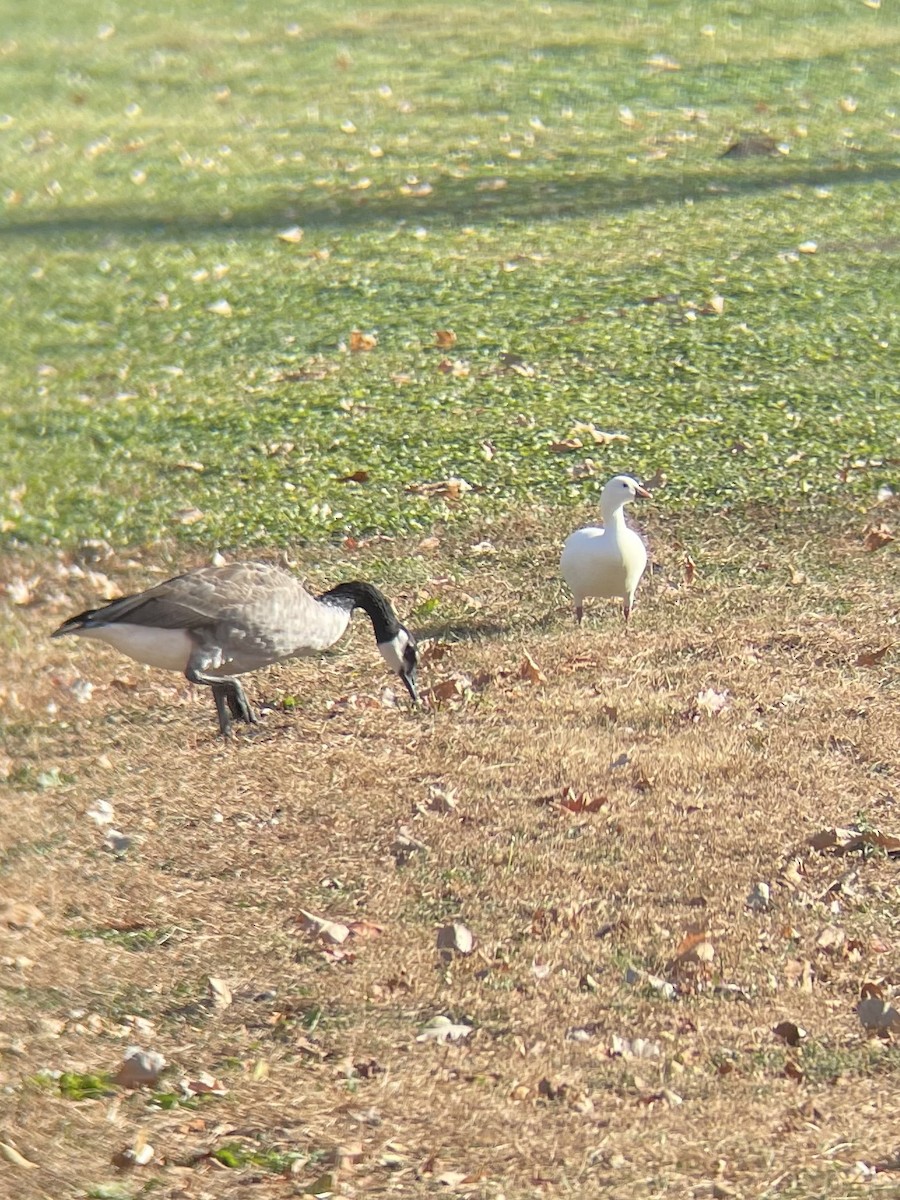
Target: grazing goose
218,622
607,561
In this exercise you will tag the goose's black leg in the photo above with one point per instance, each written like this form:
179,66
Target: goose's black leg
221,697
228,695
237,702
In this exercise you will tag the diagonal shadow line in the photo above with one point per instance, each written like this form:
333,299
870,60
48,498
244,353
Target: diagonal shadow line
580,193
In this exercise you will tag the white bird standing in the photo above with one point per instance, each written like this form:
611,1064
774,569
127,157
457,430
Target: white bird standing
218,622
609,560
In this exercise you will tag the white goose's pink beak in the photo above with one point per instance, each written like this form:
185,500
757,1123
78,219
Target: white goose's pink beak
642,492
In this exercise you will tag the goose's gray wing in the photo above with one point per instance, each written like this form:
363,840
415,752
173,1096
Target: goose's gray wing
201,598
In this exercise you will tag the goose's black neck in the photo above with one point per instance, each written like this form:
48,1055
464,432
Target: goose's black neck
366,596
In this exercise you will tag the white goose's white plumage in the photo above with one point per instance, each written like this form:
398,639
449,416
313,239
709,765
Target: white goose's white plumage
218,622
609,560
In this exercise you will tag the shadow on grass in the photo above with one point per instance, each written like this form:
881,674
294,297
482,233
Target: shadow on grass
581,192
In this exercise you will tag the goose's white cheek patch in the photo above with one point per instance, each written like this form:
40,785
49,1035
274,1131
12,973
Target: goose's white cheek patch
392,653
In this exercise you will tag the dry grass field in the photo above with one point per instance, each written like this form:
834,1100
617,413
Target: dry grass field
634,1018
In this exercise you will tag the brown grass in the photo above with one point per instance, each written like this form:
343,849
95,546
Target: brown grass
571,911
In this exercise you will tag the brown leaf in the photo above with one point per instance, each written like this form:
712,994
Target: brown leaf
445,489
139,1068
204,1085
877,536
831,938
188,516
531,671
360,342
694,947
360,476
444,338
582,802
871,658
790,1033
566,446
799,974
448,689
365,929
458,368
599,437
331,932
19,915
690,570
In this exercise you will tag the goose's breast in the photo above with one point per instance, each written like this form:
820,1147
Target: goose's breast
592,564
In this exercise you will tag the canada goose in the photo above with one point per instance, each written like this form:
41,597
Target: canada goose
607,560
219,622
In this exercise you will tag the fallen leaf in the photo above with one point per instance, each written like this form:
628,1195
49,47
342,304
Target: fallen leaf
360,476
620,1047
361,342
790,1033
694,947
800,974
442,1029
458,368
365,929
711,702
441,799
220,308
529,670
139,1068
292,236
760,897
455,938
690,570
444,338
448,689
871,658
753,147
446,489
331,932
831,938
19,915
204,1084
188,516
582,802
14,1158
598,436
877,536
219,992
138,1154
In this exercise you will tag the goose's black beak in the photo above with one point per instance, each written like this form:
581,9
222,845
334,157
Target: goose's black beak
408,675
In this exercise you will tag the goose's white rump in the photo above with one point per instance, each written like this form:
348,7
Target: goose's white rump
606,560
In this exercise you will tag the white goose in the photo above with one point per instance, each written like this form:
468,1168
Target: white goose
607,561
218,622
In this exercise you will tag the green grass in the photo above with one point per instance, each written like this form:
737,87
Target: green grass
149,159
